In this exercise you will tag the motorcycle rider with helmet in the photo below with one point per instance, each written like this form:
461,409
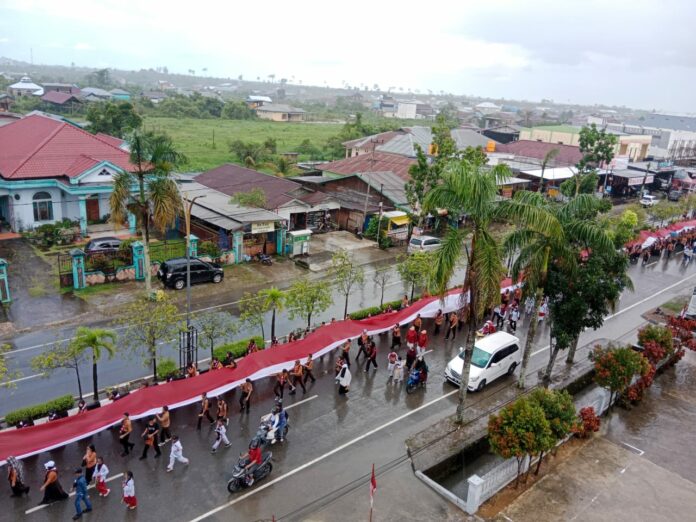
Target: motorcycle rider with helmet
255,458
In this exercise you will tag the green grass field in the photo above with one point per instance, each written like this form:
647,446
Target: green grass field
205,142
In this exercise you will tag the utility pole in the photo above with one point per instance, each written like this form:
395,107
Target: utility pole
187,217
379,221
642,187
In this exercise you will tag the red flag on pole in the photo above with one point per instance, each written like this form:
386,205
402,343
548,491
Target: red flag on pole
373,485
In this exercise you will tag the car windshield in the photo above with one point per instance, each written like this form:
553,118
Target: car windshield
415,241
479,358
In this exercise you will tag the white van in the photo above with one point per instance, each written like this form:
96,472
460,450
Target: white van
495,355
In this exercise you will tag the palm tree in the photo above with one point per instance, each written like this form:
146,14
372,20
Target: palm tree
548,157
157,198
97,340
552,235
468,188
274,300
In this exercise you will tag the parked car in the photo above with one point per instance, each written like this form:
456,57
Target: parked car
173,272
495,355
423,244
103,244
674,195
648,200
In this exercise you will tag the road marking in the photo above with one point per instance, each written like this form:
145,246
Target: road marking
301,402
640,452
612,316
27,378
321,457
72,494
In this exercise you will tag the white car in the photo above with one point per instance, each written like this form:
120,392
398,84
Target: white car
495,355
648,201
423,244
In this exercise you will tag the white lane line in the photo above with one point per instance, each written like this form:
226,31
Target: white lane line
301,402
26,378
322,457
72,494
639,451
612,316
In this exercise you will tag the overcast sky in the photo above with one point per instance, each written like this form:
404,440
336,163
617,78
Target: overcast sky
637,53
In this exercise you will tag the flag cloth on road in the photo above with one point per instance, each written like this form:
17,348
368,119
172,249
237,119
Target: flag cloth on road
373,486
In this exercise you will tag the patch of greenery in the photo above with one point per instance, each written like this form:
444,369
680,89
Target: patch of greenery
237,348
38,411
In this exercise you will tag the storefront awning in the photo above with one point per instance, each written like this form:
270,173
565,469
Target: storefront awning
400,220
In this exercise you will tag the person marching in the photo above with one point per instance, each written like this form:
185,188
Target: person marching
51,487
439,319
89,461
15,476
308,367
297,377
205,411
124,435
222,410
245,400
411,337
391,365
282,379
346,352
398,370
164,422
129,491
372,355
150,437
220,436
396,336
363,341
514,317
80,488
343,379
452,329
176,453
422,342
100,474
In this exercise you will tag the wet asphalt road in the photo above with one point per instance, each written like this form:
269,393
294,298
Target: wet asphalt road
332,444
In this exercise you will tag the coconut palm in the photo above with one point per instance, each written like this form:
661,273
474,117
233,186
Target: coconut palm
148,191
274,300
555,235
548,157
97,340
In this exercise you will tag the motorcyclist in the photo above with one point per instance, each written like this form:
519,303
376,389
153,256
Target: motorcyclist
255,458
422,368
279,419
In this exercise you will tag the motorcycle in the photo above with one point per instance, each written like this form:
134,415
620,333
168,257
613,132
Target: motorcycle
264,259
238,480
414,381
267,434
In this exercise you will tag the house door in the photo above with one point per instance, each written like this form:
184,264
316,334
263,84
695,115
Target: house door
93,209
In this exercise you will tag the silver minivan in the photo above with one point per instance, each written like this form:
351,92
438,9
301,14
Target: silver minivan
494,356
423,244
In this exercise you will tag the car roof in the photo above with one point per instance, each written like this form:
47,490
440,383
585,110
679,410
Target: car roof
179,260
107,238
492,342
423,238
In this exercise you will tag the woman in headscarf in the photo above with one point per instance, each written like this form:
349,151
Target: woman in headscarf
15,477
52,489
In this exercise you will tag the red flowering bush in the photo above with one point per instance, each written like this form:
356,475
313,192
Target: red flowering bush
588,423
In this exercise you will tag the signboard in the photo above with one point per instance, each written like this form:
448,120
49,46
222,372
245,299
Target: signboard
639,181
262,227
620,163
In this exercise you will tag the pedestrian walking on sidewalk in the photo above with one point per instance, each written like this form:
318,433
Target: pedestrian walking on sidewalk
205,411
391,364
89,461
372,355
176,453
80,488
124,435
452,326
396,336
129,491
100,475
297,378
16,478
51,487
439,319
149,436
282,379
422,342
528,305
164,421
245,400
308,367
220,436
222,410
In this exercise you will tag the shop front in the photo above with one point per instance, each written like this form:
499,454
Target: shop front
259,238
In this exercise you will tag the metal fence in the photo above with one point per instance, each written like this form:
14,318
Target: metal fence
65,273
164,250
108,262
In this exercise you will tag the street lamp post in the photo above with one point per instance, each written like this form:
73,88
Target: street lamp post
190,337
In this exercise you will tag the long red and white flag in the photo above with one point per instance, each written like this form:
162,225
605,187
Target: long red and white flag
373,486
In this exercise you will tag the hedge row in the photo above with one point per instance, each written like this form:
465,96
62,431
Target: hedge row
238,348
38,411
374,310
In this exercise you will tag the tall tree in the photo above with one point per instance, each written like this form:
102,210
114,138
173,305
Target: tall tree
273,300
6,375
422,177
597,147
147,324
381,278
307,298
62,355
113,118
252,311
215,325
548,158
156,198
96,341
415,270
346,275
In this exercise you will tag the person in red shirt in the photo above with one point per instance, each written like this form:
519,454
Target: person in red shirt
411,337
255,458
422,342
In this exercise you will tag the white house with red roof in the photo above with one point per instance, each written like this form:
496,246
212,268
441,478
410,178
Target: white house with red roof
51,169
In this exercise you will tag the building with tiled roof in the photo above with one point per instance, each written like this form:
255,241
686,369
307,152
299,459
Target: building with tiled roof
51,170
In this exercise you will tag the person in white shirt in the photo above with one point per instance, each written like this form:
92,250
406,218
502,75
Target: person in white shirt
101,471
221,437
398,371
343,379
391,364
129,491
176,453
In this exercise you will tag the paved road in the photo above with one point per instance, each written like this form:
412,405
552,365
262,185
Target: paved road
333,442
125,366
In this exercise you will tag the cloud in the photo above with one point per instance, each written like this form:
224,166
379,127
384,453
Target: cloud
81,46
4,39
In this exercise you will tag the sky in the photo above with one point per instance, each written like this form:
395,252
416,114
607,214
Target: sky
636,53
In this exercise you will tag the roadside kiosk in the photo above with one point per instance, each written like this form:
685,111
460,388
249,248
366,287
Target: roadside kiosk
298,242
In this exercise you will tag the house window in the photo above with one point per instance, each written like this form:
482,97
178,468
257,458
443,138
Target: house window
43,206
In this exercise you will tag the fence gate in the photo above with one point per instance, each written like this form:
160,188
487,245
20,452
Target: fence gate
65,270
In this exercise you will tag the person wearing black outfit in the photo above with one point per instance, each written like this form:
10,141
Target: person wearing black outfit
396,336
150,436
205,411
372,355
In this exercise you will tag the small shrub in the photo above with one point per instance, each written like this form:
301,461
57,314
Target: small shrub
209,248
588,423
126,245
166,368
238,348
365,312
395,305
658,334
38,411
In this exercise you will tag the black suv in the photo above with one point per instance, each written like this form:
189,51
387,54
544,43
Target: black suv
173,272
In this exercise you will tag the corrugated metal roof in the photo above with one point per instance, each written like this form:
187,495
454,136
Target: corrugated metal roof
468,138
391,185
